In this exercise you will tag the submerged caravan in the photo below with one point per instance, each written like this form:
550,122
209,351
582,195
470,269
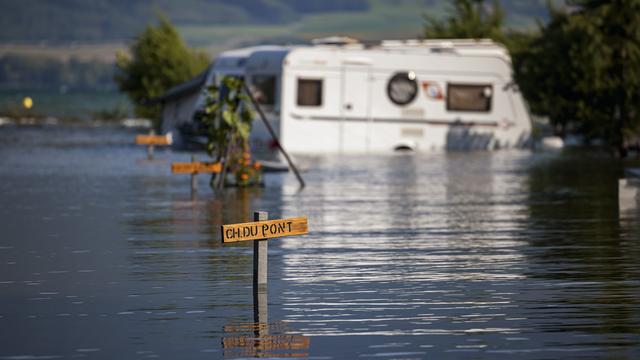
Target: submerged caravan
342,96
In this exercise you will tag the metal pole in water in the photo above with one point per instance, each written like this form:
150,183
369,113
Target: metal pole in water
194,179
260,304
150,148
261,312
260,255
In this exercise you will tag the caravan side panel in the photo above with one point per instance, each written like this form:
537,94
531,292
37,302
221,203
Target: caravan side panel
304,125
454,102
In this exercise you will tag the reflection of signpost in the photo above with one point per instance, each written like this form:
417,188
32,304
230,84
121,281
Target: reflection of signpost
269,346
194,168
152,140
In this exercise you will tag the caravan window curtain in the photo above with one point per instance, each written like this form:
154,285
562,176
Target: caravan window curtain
309,92
465,97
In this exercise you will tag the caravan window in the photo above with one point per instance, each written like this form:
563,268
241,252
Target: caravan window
264,89
309,92
464,97
402,88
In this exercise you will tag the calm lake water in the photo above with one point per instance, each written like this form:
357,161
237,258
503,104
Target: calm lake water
104,255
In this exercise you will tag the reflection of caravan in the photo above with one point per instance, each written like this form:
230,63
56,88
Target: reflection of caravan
417,95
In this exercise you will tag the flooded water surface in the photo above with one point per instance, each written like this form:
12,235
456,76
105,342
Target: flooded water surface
105,255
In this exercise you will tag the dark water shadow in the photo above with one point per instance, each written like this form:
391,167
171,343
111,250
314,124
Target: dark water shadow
580,242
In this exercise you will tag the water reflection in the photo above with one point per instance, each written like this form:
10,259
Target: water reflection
405,263
263,340
470,255
580,243
458,245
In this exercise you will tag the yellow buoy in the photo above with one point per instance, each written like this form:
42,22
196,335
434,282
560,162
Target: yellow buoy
27,102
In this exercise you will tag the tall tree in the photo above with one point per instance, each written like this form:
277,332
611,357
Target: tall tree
544,72
159,60
609,58
584,70
469,19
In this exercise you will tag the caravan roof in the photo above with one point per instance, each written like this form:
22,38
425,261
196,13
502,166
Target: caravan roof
233,62
253,59
481,47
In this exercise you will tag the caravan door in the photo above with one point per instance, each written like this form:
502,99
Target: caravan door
355,109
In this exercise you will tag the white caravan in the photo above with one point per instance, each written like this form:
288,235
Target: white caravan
396,95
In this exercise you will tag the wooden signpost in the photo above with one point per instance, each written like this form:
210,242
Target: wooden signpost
259,231
262,344
264,230
194,168
152,140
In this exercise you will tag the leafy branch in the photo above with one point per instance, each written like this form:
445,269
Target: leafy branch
227,122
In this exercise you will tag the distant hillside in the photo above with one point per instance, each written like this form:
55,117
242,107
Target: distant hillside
65,21
108,20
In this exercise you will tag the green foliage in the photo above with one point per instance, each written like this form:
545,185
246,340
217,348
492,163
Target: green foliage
224,118
64,21
159,60
608,54
544,73
469,19
227,120
583,70
474,19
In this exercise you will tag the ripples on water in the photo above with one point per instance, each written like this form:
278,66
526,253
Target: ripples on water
467,255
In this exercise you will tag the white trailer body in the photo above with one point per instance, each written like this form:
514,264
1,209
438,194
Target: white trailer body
417,95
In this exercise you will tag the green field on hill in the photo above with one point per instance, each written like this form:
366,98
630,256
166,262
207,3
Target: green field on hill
217,25
383,20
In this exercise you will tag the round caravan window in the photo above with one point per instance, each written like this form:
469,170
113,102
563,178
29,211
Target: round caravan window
402,88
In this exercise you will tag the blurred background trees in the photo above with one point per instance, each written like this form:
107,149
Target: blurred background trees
581,69
159,60
469,19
